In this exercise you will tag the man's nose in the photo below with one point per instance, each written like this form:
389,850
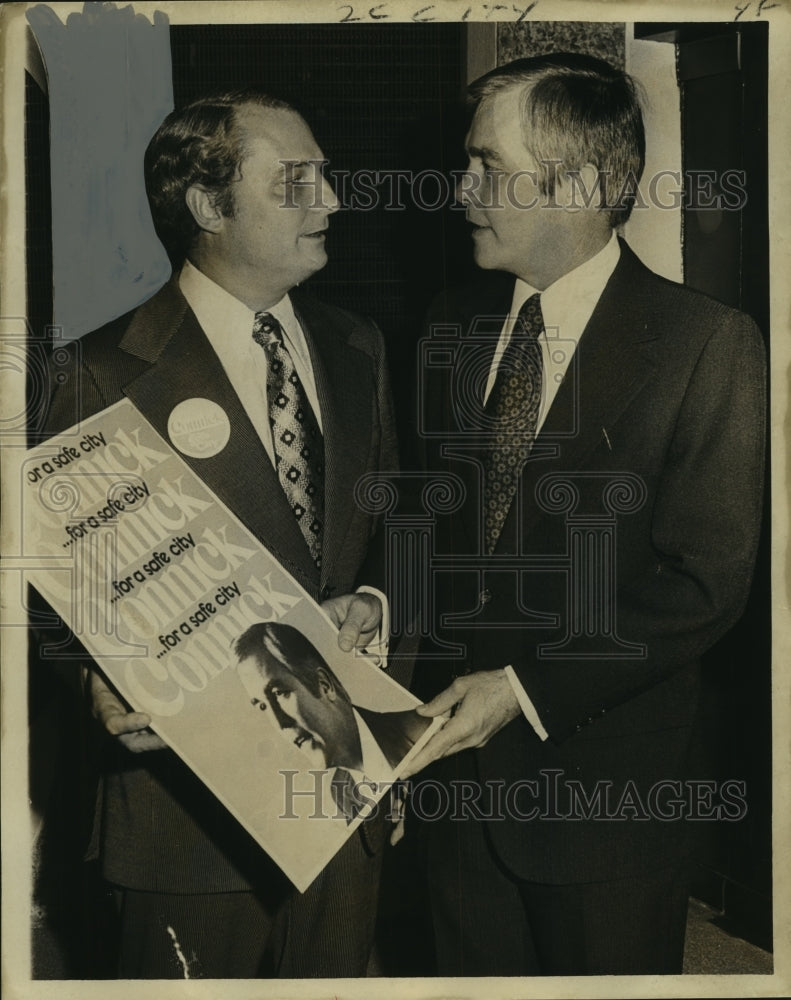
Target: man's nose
466,187
329,199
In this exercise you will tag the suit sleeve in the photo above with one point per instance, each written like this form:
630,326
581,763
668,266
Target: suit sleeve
693,583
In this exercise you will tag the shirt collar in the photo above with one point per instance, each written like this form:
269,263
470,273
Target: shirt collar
221,314
568,303
216,310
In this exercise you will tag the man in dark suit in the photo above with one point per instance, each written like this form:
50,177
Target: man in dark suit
283,672
240,204
608,428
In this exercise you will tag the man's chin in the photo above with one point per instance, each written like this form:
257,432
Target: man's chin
485,260
482,250
313,252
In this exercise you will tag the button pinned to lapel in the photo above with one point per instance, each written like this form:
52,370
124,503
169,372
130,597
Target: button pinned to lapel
199,427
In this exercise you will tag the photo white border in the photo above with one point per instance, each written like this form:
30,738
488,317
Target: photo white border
16,982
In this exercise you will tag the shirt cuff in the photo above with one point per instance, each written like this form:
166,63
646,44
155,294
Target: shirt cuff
379,646
527,706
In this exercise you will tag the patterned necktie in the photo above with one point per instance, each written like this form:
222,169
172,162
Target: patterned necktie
513,407
299,446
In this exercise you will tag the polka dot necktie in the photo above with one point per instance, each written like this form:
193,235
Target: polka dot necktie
298,443
513,407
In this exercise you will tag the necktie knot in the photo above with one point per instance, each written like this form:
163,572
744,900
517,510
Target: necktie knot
530,320
267,332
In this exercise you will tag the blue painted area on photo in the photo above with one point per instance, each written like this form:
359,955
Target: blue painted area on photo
110,86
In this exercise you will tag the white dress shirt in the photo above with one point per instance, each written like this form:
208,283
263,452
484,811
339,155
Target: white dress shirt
566,306
228,323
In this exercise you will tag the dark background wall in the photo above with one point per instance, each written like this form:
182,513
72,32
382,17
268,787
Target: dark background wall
378,98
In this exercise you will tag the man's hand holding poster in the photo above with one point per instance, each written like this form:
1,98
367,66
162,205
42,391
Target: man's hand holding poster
196,625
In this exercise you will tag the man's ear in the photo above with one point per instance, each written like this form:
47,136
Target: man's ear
579,189
326,685
202,205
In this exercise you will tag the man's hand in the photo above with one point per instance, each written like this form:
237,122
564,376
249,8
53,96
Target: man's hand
484,703
131,728
358,616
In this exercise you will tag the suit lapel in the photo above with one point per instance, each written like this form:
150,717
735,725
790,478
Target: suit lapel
345,391
166,333
612,362
482,318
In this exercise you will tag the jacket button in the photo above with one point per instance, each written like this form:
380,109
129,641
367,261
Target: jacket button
485,596
326,591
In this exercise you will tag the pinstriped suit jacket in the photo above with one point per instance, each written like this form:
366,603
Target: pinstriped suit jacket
160,829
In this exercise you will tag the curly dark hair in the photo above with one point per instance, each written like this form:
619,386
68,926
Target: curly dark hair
200,143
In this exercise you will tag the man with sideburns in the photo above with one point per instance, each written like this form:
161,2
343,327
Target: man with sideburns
238,199
608,427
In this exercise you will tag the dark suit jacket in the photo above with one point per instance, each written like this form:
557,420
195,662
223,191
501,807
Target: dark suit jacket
162,831
666,396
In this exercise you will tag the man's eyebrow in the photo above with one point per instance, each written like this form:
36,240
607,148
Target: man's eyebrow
484,153
303,163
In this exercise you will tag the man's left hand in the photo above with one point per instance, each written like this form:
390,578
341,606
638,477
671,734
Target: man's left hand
358,616
484,703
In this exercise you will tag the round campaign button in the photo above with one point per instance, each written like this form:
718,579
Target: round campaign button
199,428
